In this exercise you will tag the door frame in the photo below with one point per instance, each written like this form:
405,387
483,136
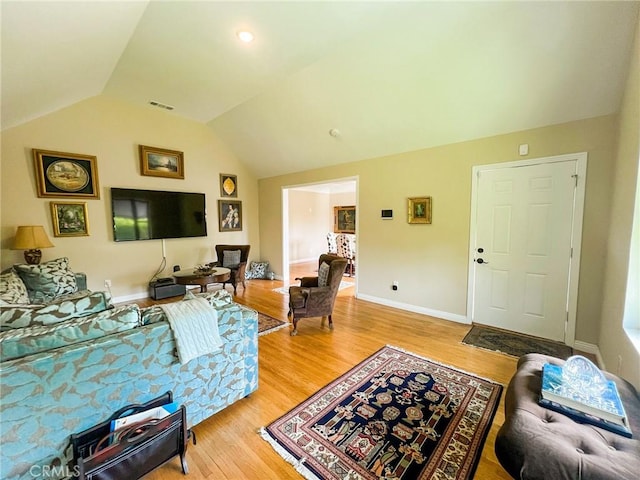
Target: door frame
285,221
576,232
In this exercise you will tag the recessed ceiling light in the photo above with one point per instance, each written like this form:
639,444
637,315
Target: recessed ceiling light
245,36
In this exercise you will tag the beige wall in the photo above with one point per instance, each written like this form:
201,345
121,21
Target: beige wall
310,219
612,340
309,223
430,262
112,131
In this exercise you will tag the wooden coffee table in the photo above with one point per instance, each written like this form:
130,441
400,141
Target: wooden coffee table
190,277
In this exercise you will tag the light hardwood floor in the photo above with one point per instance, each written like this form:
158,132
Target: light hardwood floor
293,368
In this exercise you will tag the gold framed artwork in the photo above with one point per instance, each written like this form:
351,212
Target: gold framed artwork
419,210
60,174
160,162
70,219
344,219
228,185
230,215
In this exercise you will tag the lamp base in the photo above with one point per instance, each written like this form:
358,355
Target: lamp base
32,257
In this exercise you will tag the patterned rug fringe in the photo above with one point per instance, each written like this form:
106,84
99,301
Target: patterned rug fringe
297,464
271,330
268,324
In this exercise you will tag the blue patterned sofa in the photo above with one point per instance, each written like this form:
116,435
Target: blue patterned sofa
96,364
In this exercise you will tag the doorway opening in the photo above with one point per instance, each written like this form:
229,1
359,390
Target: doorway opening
308,217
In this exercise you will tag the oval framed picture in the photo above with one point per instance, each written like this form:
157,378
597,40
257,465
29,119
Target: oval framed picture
60,174
228,185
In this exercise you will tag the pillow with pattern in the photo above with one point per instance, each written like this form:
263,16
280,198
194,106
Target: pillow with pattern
48,280
257,270
13,289
323,274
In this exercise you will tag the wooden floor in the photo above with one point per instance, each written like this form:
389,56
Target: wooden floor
293,368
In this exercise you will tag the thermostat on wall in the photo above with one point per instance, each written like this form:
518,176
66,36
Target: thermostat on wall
386,214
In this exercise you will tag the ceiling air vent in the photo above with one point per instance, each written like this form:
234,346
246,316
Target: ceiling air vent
161,105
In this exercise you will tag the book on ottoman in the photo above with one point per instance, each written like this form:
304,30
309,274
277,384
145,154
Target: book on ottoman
604,410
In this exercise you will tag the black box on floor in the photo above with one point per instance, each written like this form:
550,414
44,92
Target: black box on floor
158,291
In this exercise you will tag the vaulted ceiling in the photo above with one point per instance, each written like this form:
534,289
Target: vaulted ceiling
388,76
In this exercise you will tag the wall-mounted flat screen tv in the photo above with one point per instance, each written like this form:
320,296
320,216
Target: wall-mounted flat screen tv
155,214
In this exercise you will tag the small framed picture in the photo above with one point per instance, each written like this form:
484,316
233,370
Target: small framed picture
70,219
344,219
419,210
230,215
160,162
60,174
228,185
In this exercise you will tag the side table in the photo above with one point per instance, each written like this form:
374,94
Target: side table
191,277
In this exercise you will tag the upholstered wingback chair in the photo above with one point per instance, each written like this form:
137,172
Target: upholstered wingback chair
332,243
316,296
346,243
233,257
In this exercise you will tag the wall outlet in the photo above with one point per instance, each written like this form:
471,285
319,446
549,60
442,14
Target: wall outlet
394,285
107,283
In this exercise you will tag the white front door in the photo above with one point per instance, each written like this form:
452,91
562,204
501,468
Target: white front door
522,249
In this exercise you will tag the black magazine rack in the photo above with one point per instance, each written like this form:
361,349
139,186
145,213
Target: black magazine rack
131,453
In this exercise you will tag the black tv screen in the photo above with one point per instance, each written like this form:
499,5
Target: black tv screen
154,214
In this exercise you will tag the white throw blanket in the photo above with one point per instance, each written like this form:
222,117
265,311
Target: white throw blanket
195,327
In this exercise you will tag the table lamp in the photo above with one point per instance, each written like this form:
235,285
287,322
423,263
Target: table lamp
31,238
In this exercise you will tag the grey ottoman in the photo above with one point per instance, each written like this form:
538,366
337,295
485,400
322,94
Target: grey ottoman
536,443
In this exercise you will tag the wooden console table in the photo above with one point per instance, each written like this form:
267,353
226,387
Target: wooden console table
190,277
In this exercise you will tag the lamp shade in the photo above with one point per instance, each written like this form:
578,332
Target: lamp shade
30,237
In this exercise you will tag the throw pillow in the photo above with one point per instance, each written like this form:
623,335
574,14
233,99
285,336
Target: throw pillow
231,258
21,342
323,274
77,305
48,280
257,270
12,288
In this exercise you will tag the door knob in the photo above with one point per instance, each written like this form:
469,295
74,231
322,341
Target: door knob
480,260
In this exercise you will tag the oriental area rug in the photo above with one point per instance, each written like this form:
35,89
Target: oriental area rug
268,324
514,344
394,416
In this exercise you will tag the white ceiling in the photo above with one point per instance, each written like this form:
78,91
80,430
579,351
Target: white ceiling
390,76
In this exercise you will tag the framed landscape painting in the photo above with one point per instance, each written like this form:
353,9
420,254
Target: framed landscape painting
69,219
60,174
160,162
419,210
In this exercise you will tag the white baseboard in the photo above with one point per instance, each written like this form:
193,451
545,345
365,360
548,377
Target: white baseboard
303,260
454,317
131,298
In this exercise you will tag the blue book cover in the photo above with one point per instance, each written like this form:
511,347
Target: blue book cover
581,417
607,405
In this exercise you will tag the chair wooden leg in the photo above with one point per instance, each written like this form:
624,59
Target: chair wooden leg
330,323
294,332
